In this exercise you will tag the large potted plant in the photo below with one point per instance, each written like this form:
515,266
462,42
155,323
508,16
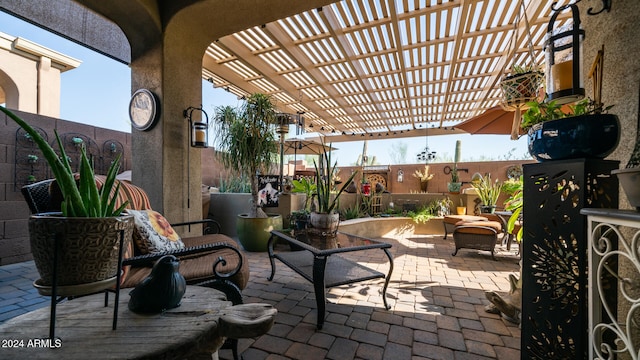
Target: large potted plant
325,218
488,191
247,144
583,130
87,229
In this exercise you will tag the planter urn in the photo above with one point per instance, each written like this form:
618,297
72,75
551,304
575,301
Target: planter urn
88,247
254,233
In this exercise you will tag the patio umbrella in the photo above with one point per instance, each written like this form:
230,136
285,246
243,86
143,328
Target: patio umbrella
494,120
296,146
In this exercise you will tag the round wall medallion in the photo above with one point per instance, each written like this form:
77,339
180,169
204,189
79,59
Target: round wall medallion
143,109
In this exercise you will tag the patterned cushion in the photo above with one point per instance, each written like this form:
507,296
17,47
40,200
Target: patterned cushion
153,233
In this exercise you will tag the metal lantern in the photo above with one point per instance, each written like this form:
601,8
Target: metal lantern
199,134
563,47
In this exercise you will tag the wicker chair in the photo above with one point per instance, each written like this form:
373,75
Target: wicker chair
479,235
200,260
450,222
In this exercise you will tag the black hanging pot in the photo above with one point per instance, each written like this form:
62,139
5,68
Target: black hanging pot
583,136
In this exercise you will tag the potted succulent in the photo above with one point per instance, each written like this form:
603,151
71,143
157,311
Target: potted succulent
488,191
300,218
88,227
325,218
454,185
246,143
424,178
583,130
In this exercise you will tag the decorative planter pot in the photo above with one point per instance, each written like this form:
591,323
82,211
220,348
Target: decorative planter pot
484,209
585,136
424,185
325,223
630,182
254,233
88,250
454,187
517,89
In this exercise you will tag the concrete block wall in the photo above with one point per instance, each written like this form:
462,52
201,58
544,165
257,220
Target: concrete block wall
14,212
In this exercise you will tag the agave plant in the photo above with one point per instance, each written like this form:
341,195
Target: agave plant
488,190
83,199
325,183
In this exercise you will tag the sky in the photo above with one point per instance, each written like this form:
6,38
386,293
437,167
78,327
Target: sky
98,93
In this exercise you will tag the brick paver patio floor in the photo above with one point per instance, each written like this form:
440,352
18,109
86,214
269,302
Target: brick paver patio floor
437,306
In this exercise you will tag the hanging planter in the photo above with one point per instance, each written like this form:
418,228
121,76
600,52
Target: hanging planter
522,83
520,87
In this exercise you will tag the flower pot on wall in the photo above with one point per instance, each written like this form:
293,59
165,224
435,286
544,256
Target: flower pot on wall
484,209
424,185
254,233
584,136
454,187
88,250
630,181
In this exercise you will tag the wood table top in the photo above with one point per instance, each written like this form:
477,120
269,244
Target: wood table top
83,329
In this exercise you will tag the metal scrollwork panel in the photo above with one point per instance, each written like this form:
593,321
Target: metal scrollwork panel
73,143
110,151
554,304
29,163
614,310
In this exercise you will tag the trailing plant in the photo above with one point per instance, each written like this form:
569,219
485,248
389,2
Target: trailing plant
325,183
246,140
427,212
488,190
421,216
539,112
82,199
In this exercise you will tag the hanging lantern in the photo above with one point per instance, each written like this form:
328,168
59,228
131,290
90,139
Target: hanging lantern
563,47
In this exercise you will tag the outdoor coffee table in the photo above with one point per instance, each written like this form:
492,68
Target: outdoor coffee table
320,263
197,327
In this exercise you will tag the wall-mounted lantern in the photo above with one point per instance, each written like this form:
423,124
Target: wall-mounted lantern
400,176
199,134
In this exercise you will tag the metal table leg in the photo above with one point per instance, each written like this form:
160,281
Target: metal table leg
319,264
387,279
272,240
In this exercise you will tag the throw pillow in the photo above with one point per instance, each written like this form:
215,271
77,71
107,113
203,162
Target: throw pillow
153,233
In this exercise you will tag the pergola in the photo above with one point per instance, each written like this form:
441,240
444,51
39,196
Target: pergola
377,69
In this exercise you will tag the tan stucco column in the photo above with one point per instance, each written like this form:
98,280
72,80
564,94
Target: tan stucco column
163,162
